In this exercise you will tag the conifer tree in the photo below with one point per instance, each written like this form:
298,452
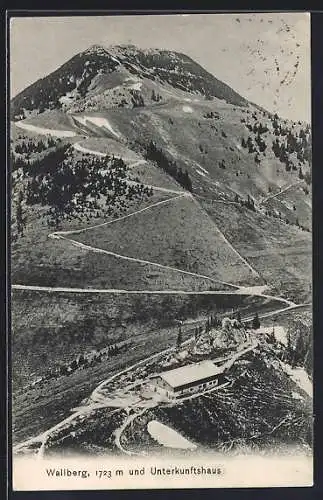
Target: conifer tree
179,339
256,322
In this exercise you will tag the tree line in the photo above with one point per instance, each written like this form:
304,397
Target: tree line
84,361
153,153
288,142
71,188
31,146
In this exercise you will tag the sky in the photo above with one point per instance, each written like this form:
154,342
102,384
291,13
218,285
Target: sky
264,56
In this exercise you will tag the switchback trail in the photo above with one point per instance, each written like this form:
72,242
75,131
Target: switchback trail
78,231
241,290
64,235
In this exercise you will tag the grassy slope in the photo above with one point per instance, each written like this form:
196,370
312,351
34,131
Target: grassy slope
178,234
279,252
55,119
188,131
59,263
56,263
286,202
77,268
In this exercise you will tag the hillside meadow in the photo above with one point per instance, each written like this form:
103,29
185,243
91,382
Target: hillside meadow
177,234
281,253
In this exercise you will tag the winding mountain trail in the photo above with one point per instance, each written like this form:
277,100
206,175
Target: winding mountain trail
240,290
63,234
113,221
122,428
252,291
36,288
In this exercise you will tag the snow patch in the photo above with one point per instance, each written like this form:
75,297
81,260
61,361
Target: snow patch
80,148
187,109
279,332
168,437
201,173
98,121
45,131
135,86
300,377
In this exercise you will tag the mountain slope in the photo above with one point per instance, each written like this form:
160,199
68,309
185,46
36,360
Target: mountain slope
164,180
225,151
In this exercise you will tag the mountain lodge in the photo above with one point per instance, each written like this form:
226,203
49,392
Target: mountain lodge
188,379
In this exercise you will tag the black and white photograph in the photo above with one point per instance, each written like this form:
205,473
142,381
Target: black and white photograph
161,250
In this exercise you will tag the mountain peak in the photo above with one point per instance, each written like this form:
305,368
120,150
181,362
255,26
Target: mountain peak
96,49
77,77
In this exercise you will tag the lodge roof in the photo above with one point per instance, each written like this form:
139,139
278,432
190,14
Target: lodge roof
191,374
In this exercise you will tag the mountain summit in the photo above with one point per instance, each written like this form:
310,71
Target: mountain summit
99,69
